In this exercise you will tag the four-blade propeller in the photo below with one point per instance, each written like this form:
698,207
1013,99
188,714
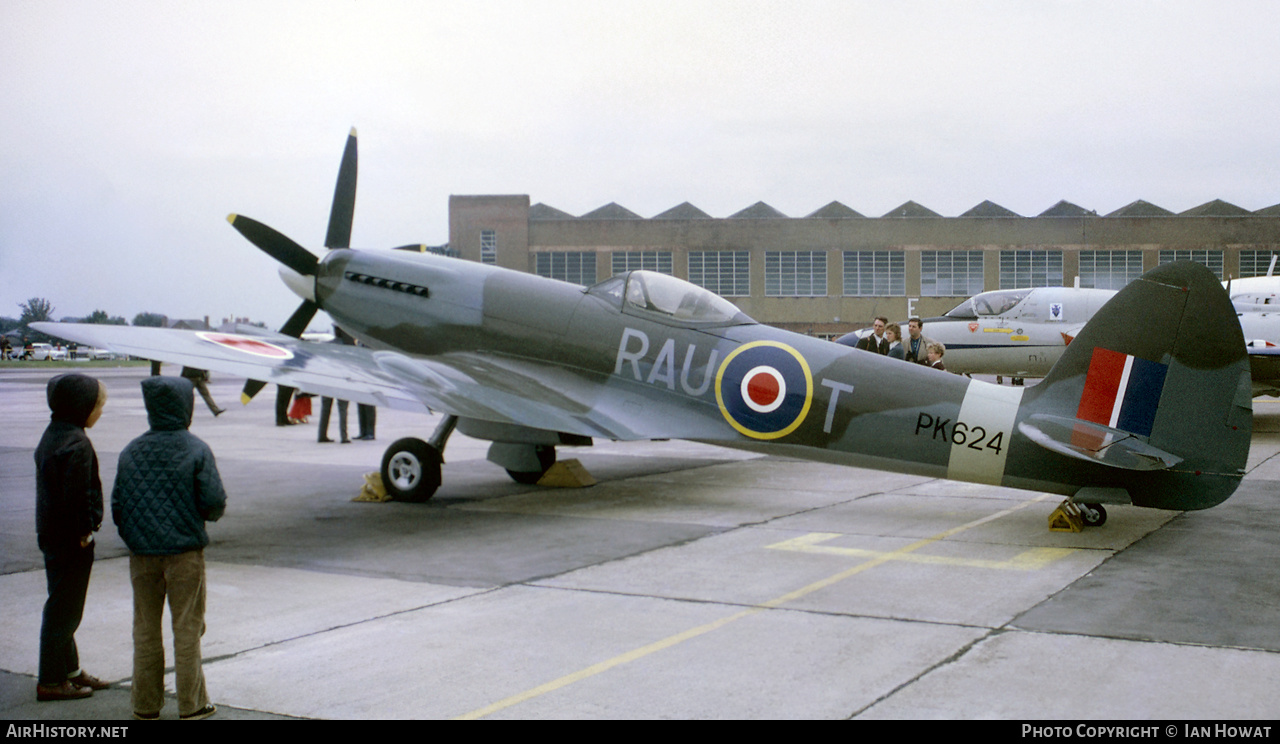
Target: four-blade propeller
299,259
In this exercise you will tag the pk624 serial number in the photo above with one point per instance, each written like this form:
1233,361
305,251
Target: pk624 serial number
958,433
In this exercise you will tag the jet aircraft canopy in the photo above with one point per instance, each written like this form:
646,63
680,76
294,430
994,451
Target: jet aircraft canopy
997,302
669,298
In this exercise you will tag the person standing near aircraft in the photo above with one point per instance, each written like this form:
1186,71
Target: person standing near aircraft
200,378
366,415
326,408
326,403
916,347
934,355
875,342
167,486
893,334
68,512
368,419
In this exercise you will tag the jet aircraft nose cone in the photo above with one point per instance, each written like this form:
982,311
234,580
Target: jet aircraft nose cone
302,286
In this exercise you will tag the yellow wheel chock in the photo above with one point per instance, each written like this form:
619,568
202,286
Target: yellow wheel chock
1066,518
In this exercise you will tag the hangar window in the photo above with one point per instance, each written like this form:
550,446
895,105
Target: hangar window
659,261
1256,263
950,273
578,267
875,274
489,246
1206,256
1109,269
795,273
727,273
1028,268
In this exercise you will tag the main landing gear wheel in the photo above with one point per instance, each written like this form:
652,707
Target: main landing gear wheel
411,470
546,458
1094,515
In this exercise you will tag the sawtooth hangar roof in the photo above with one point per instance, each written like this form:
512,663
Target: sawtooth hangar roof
837,211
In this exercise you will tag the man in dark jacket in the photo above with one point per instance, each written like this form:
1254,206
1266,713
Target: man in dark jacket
68,512
875,342
167,486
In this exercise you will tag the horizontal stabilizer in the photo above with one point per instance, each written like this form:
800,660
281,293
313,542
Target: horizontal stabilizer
1085,440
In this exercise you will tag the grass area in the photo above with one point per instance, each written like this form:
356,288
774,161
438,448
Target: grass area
77,364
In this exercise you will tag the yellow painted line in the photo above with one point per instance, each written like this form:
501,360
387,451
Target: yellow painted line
681,637
1029,560
997,330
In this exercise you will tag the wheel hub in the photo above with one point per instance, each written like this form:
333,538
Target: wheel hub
405,470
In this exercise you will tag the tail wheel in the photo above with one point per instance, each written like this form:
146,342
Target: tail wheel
411,470
1094,515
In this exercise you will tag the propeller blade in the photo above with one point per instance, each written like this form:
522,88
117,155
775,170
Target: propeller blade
297,323
275,244
415,247
344,198
251,388
294,326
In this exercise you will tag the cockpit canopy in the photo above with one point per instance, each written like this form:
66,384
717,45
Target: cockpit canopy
666,299
998,302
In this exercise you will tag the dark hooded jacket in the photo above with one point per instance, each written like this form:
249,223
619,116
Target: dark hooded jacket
68,490
167,484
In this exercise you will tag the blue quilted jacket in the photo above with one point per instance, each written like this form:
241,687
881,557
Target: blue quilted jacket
167,484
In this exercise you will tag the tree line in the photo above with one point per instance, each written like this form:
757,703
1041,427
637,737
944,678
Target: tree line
38,309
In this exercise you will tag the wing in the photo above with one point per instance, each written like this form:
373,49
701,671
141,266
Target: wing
468,384
334,370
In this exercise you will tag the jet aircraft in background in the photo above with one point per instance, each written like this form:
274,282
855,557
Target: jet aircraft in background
1149,405
1021,333
1014,332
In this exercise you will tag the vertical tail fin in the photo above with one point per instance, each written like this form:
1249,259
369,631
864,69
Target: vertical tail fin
1154,393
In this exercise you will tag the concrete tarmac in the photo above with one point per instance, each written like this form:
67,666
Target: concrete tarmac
691,582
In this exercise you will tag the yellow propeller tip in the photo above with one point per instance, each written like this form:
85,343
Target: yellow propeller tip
232,218
245,399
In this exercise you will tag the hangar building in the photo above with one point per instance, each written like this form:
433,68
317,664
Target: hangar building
832,271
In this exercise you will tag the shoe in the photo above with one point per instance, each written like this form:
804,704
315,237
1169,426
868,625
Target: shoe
201,714
64,691
146,716
325,440
346,441
219,412
88,680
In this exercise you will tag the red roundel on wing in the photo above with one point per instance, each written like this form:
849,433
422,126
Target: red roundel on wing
762,389
246,344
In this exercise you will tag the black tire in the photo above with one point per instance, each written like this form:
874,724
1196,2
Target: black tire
1094,515
546,458
411,470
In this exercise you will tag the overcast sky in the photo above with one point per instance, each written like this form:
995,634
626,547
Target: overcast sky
131,129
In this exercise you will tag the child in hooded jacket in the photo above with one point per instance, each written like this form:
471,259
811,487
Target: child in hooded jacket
167,486
68,512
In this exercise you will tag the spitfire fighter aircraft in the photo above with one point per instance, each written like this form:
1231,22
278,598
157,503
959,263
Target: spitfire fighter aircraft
1149,405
